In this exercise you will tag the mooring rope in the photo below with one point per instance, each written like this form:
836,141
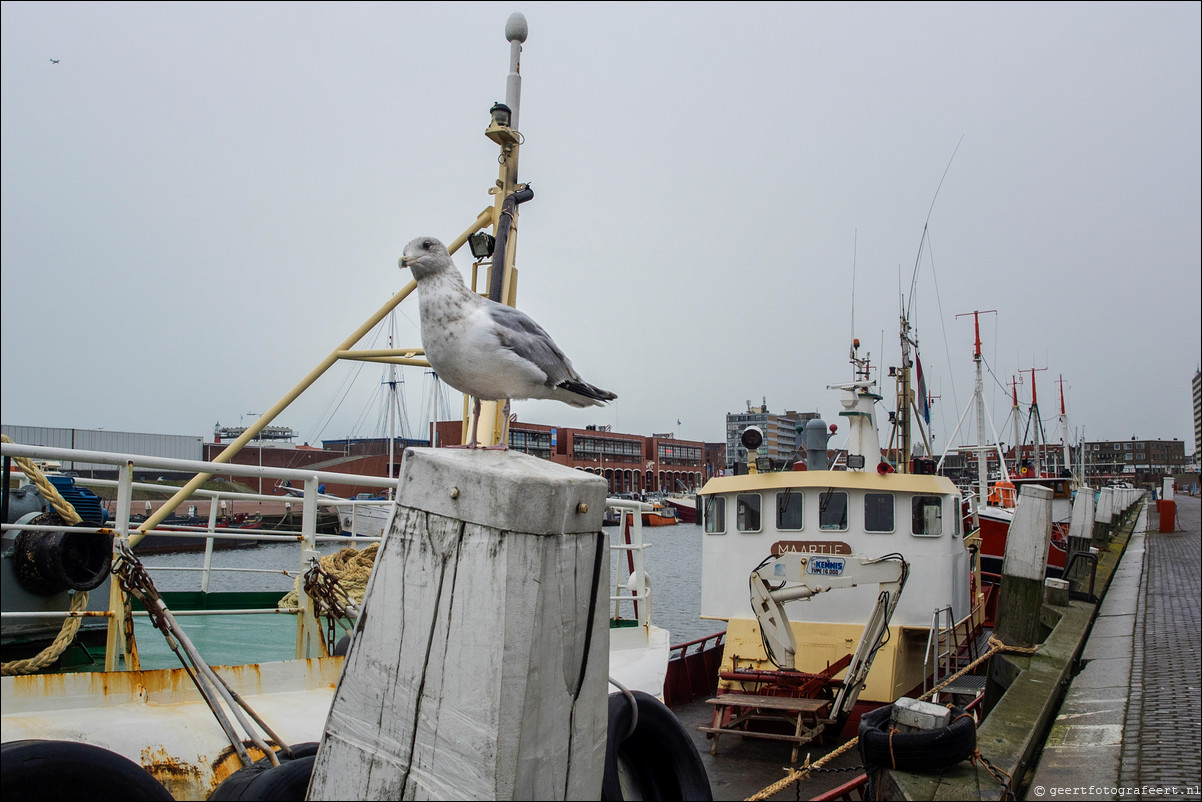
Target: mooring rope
79,600
802,773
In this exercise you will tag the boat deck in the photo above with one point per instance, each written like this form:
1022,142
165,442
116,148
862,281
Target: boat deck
744,766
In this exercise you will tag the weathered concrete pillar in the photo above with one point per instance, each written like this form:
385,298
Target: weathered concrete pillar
1103,516
1023,570
1080,530
478,669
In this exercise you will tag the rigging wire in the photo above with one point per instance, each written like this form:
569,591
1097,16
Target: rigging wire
350,376
908,306
927,222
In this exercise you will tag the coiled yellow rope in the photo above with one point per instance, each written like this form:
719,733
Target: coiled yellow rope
79,601
352,569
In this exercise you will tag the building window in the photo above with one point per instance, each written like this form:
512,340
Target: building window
747,516
878,512
832,511
927,516
788,510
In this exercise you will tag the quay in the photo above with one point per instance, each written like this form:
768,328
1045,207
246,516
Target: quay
1130,724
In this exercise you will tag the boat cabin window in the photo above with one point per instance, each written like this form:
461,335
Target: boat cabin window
832,510
747,516
927,515
878,512
715,515
788,510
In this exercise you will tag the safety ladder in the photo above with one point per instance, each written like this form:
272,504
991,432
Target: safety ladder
947,653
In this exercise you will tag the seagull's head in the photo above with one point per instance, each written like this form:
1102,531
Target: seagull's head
425,256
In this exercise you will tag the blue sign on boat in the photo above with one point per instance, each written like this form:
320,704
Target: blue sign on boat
826,566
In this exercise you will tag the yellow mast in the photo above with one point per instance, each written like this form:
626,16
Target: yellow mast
501,216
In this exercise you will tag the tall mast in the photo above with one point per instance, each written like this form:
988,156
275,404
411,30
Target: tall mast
1064,445
979,402
904,400
508,193
979,395
1038,438
1017,414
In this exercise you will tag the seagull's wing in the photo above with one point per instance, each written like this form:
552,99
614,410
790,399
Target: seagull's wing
519,333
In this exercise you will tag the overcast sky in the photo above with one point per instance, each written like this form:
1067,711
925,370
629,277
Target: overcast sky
200,201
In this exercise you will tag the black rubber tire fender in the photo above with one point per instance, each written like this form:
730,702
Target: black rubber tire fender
921,751
657,761
52,770
260,782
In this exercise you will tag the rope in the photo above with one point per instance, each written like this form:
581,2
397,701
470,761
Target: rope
79,601
349,566
799,774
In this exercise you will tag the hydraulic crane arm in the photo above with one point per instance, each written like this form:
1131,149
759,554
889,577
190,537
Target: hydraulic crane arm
795,575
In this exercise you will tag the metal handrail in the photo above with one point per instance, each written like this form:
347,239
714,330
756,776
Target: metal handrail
191,466
123,530
641,592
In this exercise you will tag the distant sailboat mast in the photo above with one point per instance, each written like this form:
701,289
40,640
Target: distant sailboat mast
982,412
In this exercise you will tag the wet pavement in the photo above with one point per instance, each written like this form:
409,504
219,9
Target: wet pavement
1131,722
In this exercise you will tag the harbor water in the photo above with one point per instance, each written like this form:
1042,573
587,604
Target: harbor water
672,561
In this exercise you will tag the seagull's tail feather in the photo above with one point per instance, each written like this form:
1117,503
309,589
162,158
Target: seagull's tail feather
583,394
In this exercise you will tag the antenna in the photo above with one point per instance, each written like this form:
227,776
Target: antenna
927,222
854,237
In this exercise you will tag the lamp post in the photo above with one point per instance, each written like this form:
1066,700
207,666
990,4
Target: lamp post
259,437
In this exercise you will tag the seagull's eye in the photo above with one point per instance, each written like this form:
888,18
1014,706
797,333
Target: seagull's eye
427,245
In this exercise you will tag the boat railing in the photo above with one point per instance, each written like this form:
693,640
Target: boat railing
632,588
126,531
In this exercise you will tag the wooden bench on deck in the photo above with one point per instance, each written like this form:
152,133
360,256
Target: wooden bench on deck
804,716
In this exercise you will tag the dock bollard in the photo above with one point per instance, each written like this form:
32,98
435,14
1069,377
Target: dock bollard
478,669
1021,592
1102,517
1080,531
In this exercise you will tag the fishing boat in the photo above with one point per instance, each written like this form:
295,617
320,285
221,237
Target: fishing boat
150,730
660,514
990,507
685,505
892,598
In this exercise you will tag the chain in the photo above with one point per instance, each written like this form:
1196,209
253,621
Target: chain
136,582
329,600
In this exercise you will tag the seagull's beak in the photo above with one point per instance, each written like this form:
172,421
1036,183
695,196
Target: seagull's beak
403,262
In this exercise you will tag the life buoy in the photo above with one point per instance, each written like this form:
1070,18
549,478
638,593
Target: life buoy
261,781
657,760
925,749
39,770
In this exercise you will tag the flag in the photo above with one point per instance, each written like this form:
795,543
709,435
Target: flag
924,404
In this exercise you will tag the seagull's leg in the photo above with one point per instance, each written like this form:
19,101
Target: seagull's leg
505,427
473,422
504,444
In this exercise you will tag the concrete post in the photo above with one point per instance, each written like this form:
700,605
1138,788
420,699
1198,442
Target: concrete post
1103,516
1080,529
478,669
1168,486
1024,568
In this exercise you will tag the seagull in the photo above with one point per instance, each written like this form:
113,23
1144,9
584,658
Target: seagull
54,61
485,349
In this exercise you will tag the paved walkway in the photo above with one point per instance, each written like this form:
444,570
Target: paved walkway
1130,725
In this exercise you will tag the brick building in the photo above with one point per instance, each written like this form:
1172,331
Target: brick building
631,463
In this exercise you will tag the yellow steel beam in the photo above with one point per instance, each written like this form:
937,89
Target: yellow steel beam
483,219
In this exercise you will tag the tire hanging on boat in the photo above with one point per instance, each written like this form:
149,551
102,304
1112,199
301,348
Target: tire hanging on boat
36,770
658,760
263,782
921,750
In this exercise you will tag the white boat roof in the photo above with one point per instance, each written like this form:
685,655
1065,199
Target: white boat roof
853,480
